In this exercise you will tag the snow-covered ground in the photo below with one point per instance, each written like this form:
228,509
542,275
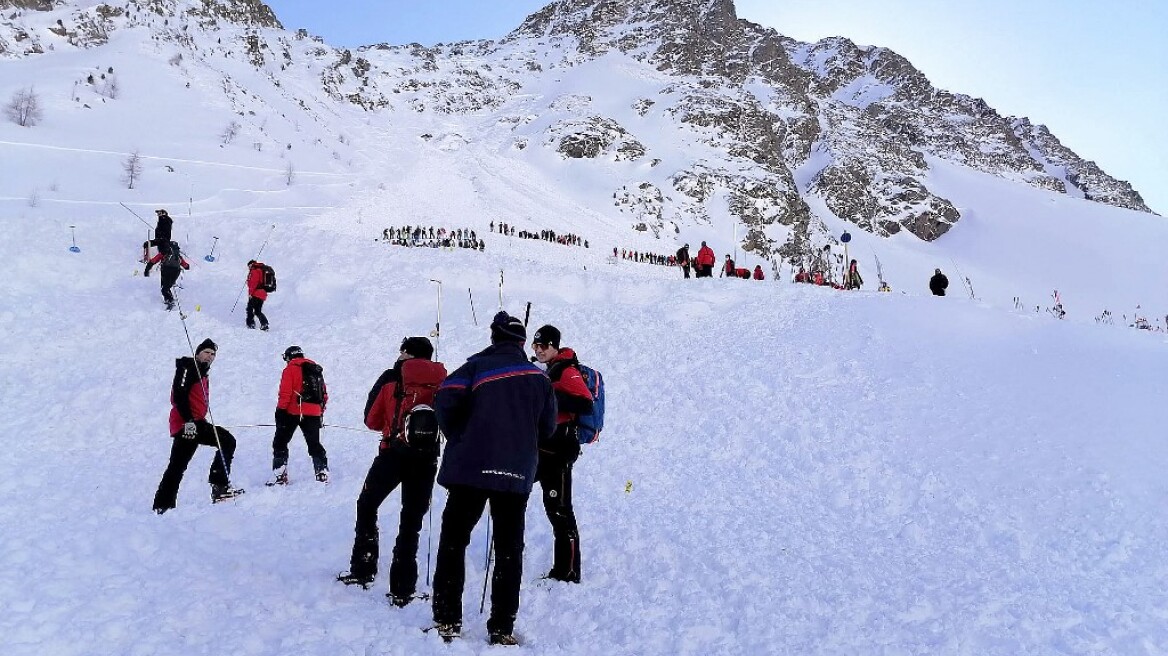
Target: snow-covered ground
786,469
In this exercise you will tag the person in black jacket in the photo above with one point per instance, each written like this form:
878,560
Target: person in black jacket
405,457
495,411
683,259
559,454
938,283
162,234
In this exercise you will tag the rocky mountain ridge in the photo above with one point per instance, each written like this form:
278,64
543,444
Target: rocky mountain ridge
795,137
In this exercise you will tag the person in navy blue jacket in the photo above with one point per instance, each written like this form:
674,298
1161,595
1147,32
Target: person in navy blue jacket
495,410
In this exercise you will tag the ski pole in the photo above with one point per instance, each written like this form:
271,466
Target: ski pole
73,233
136,215
500,290
206,395
527,314
210,257
438,322
472,310
487,566
257,256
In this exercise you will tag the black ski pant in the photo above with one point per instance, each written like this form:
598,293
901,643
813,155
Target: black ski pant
685,269
168,276
554,475
464,506
181,451
415,472
255,309
286,425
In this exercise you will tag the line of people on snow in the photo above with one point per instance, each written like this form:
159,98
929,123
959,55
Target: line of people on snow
508,424
544,235
422,237
643,257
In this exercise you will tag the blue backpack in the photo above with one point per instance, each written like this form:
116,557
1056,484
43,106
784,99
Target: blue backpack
591,424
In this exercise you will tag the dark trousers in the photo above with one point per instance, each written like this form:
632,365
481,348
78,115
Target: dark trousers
685,268
181,451
415,472
555,477
168,276
464,506
286,425
255,309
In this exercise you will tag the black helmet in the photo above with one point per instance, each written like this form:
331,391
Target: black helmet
293,352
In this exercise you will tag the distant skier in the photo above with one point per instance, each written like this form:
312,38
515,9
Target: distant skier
172,263
256,295
938,283
559,454
683,259
300,403
400,408
190,399
853,280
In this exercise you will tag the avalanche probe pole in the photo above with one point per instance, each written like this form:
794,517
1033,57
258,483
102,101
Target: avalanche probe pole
136,215
527,314
472,310
487,566
438,323
500,290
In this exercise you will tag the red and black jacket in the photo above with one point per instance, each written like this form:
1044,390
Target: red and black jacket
291,382
188,398
255,281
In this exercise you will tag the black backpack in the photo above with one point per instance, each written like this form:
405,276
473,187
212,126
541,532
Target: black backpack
173,256
268,283
312,387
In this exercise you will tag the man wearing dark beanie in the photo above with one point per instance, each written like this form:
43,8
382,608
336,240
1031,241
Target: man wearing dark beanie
400,408
190,399
495,411
559,454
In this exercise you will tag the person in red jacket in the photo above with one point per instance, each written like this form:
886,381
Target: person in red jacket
728,269
399,407
300,404
802,276
705,262
559,454
256,295
758,274
190,398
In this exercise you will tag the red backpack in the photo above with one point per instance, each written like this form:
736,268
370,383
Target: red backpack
414,420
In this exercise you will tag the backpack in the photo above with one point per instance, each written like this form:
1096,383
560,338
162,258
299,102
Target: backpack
589,425
415,421
268,282
173,256
312,385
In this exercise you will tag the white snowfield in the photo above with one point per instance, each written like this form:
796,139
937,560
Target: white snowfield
786,469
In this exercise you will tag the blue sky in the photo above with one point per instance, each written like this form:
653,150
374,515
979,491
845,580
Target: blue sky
1094,72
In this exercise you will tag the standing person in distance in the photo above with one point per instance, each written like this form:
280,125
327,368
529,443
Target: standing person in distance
558,454
400,408
705,262
683,259
256,295
938,283
853,280
172,264
163,230
300,403
495,411
190,398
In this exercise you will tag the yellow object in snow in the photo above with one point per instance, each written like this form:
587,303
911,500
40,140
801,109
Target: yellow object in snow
628,486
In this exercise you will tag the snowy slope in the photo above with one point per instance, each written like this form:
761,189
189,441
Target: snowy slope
811,471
